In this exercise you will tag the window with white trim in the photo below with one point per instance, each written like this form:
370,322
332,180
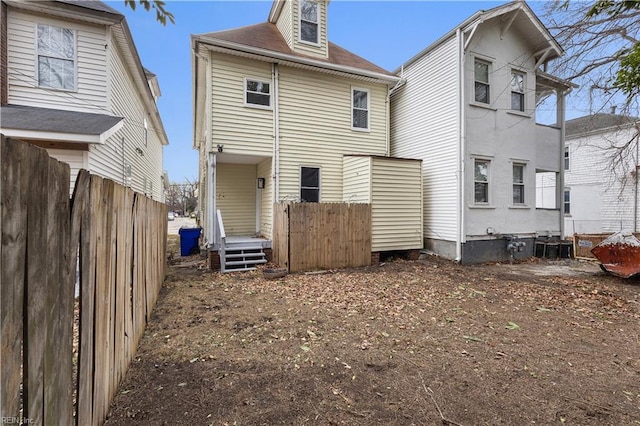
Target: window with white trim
481,181
309,21
517,91
481,78
56,52
360,109
310,184
567,201
257,93
567,159
518,184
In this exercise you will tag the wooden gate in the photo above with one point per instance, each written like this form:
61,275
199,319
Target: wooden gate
308,236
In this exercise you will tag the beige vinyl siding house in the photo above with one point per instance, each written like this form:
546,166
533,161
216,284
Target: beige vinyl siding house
284,112
320,132
242,129
101,113
393,187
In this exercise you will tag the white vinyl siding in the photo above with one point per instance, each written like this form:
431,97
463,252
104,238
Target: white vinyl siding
285,22
132,144
319,133
393,187
266,213
90,94
236,197
242,130
599,200
75,159
319,50
424,125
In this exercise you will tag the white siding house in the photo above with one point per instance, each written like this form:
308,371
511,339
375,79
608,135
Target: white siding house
74,85
466,107
601,164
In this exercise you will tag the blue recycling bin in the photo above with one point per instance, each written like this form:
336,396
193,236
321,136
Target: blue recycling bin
189,241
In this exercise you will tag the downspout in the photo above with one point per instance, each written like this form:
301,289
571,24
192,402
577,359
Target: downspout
387,128
211,201
560,194
461,145
276,132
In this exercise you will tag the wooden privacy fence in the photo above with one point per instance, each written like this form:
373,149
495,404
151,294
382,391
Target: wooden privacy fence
308,236
116,239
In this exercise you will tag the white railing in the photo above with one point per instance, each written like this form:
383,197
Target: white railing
220,239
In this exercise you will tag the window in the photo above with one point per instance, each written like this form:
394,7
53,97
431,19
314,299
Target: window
310,184
567,201
360,109
481,75
257,93
481,181
309,21
56,57
566,158
517,91
518,184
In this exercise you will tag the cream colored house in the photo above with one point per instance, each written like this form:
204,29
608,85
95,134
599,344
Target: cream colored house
72,82
282,114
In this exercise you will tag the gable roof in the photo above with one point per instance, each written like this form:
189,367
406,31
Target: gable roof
265,39
598,122
52,124
537,34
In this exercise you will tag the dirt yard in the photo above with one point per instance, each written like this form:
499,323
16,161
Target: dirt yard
427,342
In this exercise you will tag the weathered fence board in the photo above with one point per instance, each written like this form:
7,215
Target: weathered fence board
14,222
311,236
117,238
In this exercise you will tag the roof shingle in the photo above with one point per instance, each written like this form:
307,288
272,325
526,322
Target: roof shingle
266,36
20,117
594,122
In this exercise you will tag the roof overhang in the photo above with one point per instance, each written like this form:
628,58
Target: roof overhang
514,13
551,81
22,122
62,9
237,49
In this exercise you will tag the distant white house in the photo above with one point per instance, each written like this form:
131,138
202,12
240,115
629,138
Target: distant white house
600,197
72,82
467,107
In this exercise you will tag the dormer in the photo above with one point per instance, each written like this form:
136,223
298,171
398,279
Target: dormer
303,24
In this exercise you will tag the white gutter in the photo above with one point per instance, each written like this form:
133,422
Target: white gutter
298,59
461,145
387,127
276,133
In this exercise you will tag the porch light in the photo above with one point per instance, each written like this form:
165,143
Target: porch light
260,182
